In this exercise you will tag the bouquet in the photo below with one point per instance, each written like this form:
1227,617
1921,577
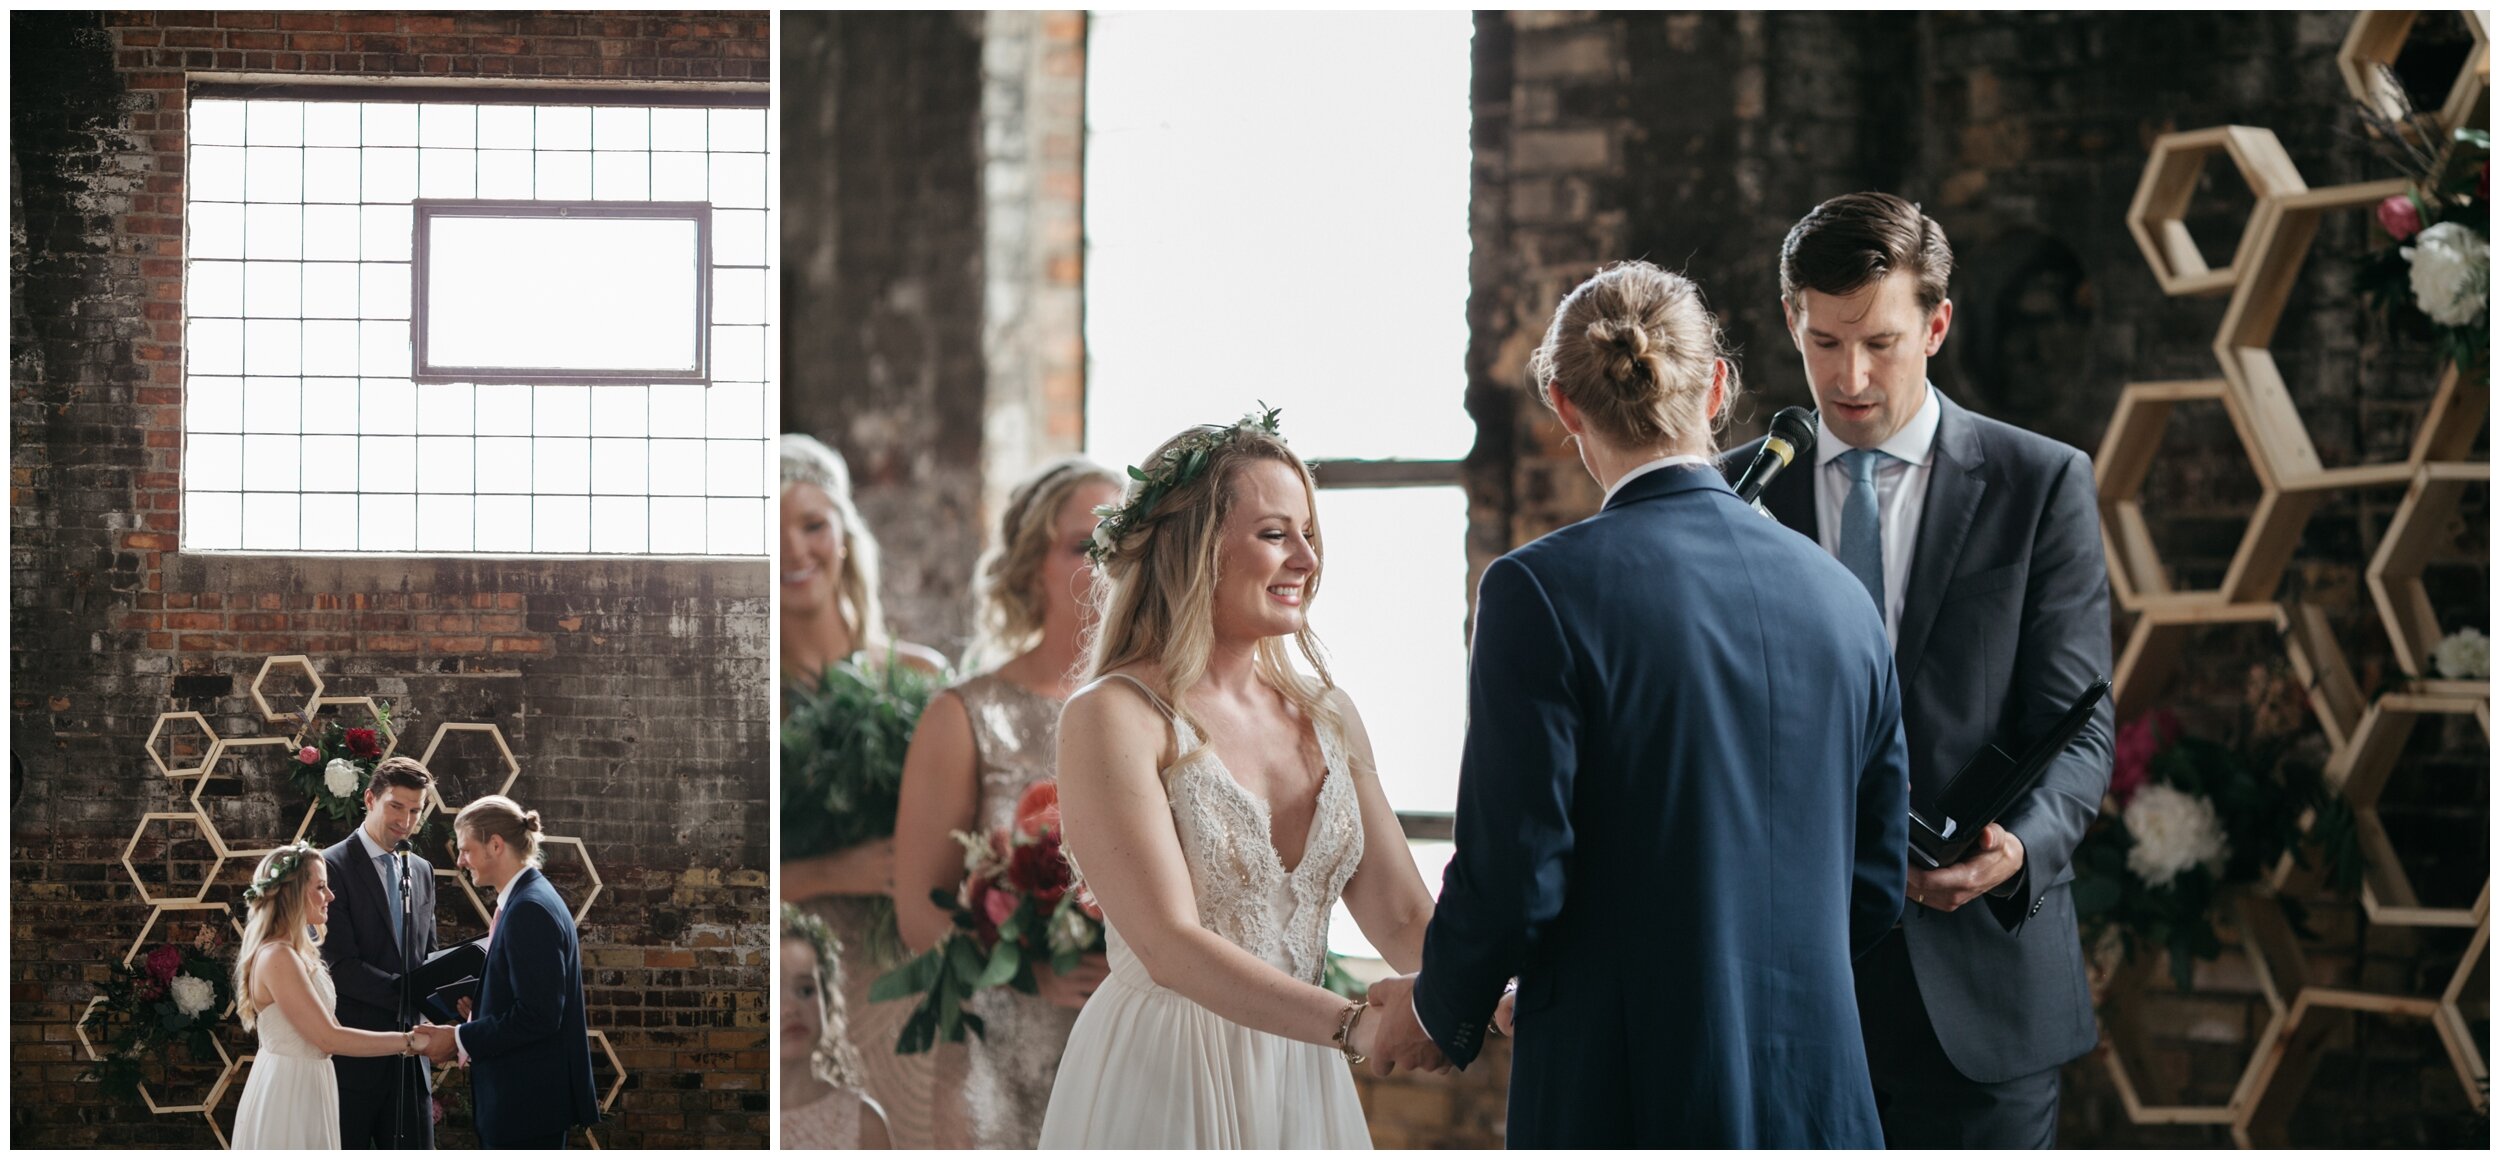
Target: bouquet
2434,272
169,996
842,753
1019,905
337,762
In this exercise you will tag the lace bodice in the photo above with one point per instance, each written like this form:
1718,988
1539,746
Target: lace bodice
1244,892
278,1036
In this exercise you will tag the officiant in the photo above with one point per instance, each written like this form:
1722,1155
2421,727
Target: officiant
381,923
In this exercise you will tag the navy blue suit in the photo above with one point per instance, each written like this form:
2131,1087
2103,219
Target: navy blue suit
529,1044
1682,813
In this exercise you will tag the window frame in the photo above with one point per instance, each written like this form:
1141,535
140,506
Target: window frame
425,210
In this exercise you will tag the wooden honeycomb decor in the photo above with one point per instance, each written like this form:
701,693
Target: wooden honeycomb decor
2378,37
2178,162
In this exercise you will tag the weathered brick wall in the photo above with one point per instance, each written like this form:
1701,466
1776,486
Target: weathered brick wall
634,691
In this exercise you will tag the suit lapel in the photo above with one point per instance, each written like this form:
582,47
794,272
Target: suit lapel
1954,488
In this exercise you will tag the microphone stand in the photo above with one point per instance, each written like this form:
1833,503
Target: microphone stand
402,1106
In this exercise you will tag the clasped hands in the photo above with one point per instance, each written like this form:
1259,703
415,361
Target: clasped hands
1392,1037
434,1041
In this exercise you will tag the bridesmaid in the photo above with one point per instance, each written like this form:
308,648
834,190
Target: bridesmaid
830,612
979,746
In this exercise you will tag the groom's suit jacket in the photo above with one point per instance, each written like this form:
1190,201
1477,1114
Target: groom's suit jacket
364,959
529,1044
2004,621
1681,814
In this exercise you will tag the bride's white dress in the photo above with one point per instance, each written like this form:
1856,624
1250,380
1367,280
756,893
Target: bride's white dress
291,1098
1147,1068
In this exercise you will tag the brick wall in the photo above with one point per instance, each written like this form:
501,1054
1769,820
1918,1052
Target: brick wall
634,691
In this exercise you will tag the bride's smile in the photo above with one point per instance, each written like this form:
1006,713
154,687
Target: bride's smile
1270,555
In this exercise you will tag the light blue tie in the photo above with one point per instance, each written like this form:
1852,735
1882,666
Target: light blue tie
1861,533
390,884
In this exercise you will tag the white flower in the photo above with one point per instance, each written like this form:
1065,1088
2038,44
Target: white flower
341,777
193,994
2464,656
2451,273
1070,930
2173,831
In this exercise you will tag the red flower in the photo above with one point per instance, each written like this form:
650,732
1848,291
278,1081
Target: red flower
164,962
2139,742
978,891
2400,217
363,743
1039,871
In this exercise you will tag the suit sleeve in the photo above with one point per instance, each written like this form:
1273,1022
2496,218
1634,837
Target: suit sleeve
357,978
1504,884
2063,647
1879,863
532,945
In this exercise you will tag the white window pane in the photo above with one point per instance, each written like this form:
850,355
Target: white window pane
212,404
216,230
738,353
561,523
735,527
564,176
504,126
390,174
390,123
443,464
273,231
385,287
503,465
738,130
563,127
386,463
329,523
619,524
330,348
1393,612
738,297
1432,860
333,233
269,522
382,348
214,346
680,177
214,122
503,409
560,466
212,463
620,176
388,407
390,233
620,128
677,527
273,406
619,467
443,523
212,520
447,126
216,173
738,179
738,237
563,410
679,129
330,466
273,290
214,290
736,466
446,173
270,463
387,523
330,291
445,408
677,467
506,173
575,293
330,405
620,411
333,175
330,123
503,523
273,174
677,409
274,122
736,411
273,346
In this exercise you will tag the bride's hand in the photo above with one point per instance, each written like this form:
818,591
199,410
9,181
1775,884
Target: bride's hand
1503,1012
422,1037
1072,989
1366,1037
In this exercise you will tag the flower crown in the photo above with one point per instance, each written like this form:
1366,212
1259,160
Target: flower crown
1184,461
281,864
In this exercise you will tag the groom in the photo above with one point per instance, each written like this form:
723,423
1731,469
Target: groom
528,1040
380,925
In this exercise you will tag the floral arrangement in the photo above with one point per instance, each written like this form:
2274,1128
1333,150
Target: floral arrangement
1019,905
167,998
336,762
1179,464
2463,655
2197,816
842,750
2435,270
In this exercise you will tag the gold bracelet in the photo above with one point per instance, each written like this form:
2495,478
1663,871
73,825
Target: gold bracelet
408,1041
1345,1030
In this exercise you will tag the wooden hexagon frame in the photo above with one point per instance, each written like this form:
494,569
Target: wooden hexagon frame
2359,770
2283,1073
2395,573
607,1103
2275,959
218,839
242,1063
2169,182
216,1087
158,730
2152,651
2473,1069
208,830
381,722
580,909
512,765
2378,37
261,701
2136,574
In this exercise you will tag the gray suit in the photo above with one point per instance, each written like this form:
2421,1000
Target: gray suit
2005,620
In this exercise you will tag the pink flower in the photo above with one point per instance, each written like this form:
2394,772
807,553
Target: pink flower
163,962
2400,217
997,905
308,755
2139,742
438,1109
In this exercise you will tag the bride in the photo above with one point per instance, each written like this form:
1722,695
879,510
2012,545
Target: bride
280,984
1218,802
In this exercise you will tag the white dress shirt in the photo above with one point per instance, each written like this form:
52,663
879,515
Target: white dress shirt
1652,465
1900,496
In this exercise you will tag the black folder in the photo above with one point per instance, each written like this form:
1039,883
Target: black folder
1989,784
449,975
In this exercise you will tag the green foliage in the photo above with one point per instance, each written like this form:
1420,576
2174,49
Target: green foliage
139,1018
842,749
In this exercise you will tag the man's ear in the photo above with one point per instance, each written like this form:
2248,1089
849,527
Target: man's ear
1938,322
1718,390
1572,420
1788,320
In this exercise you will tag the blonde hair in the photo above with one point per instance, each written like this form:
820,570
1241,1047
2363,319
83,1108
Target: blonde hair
833,1060
1156,590
497,816
278,915
1634,348
1007,581
806,460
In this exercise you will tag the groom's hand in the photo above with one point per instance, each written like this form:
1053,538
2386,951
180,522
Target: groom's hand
439,1044
1997,857
1401,1040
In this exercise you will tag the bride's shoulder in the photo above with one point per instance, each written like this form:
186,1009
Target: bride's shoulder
1122,705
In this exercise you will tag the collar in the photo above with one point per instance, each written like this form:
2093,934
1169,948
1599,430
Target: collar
1653,465
373,849
1912,444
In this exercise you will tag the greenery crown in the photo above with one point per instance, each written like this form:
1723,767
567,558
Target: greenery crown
1184,461
281,864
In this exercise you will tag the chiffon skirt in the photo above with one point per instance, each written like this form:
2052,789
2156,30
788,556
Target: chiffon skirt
289,1101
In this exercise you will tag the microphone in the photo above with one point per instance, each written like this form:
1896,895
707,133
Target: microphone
1791,438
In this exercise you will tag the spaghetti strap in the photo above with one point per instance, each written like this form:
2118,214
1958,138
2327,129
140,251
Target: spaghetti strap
1184,738
1159,703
